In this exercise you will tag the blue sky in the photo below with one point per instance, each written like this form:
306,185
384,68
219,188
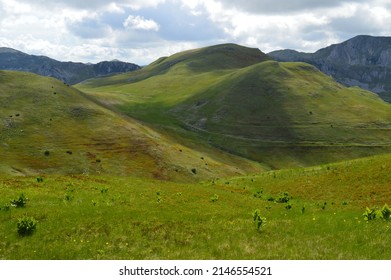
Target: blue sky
141,31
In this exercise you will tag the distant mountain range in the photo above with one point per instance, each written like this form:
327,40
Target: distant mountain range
68,72
363,61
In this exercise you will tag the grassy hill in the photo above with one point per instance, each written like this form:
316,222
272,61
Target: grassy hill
280,114
51,128
105,217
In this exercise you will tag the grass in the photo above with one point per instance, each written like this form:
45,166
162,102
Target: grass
90,217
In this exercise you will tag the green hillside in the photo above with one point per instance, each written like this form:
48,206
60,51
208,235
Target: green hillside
280,114
51,128
105,217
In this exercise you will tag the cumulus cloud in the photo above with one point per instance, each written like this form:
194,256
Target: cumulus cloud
96,4
140,23
283,6
142,30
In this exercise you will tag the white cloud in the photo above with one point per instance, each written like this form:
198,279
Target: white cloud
139,23
142,30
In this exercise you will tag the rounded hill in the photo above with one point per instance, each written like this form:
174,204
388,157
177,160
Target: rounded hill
49,127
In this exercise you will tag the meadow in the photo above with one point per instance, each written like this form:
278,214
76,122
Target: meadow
309,213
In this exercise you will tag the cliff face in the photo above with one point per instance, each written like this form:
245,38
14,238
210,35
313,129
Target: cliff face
68,72
363,61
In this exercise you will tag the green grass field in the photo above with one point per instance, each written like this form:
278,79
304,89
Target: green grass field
103,217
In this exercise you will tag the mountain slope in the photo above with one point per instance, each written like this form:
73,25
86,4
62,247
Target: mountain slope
280,114
68,72
48,127
363,61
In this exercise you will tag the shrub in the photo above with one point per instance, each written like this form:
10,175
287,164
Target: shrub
258,219
258,194
104,190
271,199
214,198
6,207
283,197
39,179
371,214
26,225
19,202
288,206
386,212
159,197
68,196
69,193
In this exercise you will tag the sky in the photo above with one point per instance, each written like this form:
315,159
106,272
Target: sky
141,31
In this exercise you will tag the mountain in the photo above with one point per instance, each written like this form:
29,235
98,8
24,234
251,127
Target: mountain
239,100
68,72
363,61
47,127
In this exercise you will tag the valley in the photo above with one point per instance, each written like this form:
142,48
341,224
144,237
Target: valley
213,153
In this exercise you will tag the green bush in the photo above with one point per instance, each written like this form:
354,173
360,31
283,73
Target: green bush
26,225
371,214
283,197
214,198
386,212
6,207
104,190
258,219
258,194
19,202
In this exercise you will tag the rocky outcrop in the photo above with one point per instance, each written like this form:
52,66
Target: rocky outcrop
363,61
68,72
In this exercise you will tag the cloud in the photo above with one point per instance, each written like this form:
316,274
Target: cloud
283,6
181,23
142,30
96,4
365,19
88,28
139,23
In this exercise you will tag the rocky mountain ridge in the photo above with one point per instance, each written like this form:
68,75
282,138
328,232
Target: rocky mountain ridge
363,61
68,72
